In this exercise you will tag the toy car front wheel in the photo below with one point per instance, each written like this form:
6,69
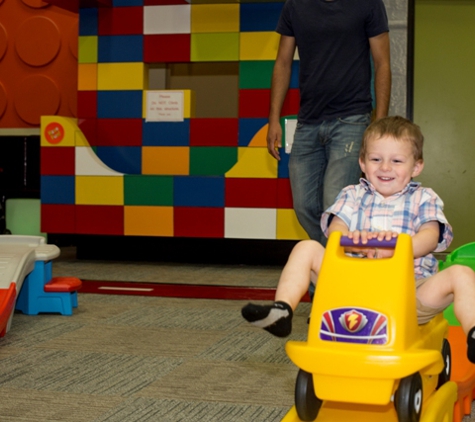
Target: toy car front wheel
408,399
306,402
444,376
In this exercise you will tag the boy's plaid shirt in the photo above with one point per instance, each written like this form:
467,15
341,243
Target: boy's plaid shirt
362,208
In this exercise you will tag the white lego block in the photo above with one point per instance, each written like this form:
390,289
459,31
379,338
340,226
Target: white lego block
250,223
175,19
290,125
89,164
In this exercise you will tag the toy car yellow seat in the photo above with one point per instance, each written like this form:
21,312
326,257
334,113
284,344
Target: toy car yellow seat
364,343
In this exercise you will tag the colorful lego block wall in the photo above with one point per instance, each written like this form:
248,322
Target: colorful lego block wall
112,172
38,62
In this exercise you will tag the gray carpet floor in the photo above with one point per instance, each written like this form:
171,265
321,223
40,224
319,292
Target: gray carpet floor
132,358
137,359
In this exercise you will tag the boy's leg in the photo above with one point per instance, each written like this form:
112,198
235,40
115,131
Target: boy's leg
303,264
454,284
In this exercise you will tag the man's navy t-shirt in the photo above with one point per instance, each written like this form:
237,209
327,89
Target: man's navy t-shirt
335,67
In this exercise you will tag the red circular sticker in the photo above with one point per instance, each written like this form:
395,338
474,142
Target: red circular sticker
54,133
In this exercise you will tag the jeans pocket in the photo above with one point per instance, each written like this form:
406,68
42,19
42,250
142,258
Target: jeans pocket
357,119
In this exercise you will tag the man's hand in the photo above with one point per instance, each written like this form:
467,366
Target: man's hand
274,139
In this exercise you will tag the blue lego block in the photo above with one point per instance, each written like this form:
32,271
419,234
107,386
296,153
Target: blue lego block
166,133
119,3
259,16
119,104
199,191
126,160
120,48
283,165
88,21
294,77
57,189
33,299
248,128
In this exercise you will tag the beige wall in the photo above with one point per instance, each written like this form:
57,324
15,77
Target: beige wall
444,106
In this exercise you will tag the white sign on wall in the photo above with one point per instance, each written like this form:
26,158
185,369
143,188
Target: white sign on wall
164,106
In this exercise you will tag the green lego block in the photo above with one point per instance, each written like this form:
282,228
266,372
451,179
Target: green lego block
217,47
212,161
87,49
255,74
148,190
23,216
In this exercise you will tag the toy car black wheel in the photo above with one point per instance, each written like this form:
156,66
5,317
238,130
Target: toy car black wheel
444,376
306,402
408,399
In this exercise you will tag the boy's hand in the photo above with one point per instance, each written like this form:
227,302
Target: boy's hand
362,236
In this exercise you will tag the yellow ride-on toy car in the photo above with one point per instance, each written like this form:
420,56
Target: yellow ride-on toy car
364,343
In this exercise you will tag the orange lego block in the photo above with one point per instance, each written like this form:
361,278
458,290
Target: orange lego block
166,160
148,221
87,76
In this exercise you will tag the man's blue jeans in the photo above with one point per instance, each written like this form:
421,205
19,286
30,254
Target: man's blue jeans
323,160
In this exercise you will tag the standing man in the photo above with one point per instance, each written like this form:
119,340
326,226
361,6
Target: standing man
334,40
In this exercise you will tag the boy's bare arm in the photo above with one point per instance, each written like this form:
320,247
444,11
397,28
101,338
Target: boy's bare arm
426,239
337,225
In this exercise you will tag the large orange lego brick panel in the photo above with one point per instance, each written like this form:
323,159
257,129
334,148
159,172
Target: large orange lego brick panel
38,62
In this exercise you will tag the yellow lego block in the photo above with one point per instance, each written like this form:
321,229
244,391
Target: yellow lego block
87,77
254,162
207,18
218,47
99,190
87,49
260,138
166,160
120,76
148,221
189,103
288,227
58,131
258,45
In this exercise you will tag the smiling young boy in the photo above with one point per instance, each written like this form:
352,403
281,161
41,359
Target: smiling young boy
385,203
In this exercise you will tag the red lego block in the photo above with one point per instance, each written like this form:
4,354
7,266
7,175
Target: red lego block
120,20
166,48
119,132
251,193
254,102
57,161
100,219
291,104
89,129
214,132
284,194
58,218
198,222
87,104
